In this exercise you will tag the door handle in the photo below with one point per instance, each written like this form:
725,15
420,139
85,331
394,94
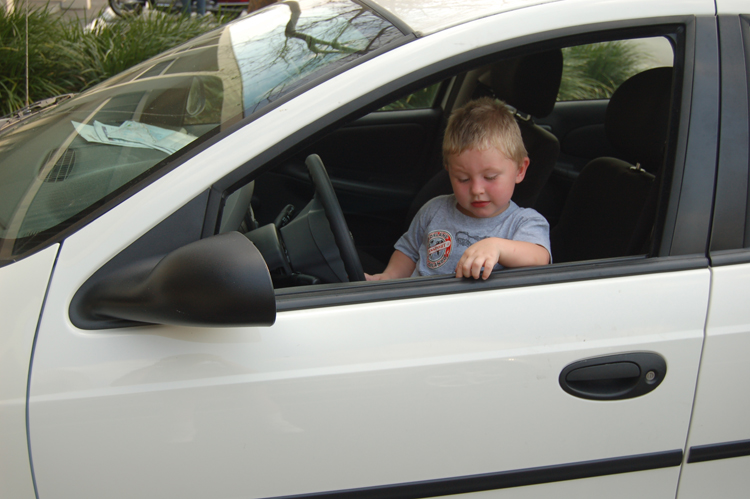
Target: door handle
614,377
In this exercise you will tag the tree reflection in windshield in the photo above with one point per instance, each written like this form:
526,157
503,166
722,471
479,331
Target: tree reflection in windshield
297,40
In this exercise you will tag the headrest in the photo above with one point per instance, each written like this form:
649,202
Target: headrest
637,117
529,83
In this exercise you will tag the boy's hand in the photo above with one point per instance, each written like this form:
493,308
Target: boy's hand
508,253
484,253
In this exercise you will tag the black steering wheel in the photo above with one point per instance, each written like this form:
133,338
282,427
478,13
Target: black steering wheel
327,197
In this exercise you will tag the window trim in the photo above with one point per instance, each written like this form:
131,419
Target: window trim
731,198
730,234
325,295
690,204
683,28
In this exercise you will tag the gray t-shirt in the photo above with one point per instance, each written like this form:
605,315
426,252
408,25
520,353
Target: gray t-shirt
439,233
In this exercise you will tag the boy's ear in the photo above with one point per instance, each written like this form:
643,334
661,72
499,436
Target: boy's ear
522,167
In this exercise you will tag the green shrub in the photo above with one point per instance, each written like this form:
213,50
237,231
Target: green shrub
594,71
117,46
47,76
65,57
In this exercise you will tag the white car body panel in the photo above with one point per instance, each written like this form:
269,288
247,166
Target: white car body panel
22,289
263,412
437,15
722,404
733,6
725,478
353,396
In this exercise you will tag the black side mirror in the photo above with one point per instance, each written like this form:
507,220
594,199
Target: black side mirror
218,281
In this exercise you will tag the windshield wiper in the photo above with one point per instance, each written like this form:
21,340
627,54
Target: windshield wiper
31,110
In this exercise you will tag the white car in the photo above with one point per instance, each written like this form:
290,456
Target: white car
172,328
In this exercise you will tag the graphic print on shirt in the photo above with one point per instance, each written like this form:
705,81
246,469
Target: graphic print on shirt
466,239
439,246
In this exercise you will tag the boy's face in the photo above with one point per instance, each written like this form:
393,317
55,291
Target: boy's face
483,181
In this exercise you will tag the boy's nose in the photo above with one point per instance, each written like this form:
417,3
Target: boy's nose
477,187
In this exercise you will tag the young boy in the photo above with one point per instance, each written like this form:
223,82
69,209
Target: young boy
477,228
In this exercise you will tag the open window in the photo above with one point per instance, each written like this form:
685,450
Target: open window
595,117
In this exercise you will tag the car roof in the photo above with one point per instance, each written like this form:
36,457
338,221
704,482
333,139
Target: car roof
430,16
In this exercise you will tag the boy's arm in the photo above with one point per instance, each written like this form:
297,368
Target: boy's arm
399,266
508,253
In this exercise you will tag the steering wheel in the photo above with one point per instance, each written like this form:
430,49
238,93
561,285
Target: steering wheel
327,197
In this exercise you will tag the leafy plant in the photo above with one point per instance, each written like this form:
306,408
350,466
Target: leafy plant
47,75
420,99
594,71
66,57
113,48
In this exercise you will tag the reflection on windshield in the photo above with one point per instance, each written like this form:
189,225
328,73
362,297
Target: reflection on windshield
62,164
296,44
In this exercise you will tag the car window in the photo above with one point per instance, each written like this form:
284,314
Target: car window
594,71
63,163
421,99
605,210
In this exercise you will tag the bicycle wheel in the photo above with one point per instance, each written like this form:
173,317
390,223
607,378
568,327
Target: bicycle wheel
125,7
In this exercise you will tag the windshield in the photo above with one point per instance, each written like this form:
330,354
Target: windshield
60,165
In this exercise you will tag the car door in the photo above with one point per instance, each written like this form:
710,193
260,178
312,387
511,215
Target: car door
22,288
416,388
719,443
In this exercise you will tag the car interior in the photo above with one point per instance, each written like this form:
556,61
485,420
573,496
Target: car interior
597,163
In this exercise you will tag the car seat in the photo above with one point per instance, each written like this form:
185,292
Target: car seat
610,209
529,86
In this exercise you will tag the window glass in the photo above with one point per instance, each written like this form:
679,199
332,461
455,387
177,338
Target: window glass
421,99
98,143
594,71
587,223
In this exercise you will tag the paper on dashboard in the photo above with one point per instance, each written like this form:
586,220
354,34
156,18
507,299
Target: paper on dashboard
134,134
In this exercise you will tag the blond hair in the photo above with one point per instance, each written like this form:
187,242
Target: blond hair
482,124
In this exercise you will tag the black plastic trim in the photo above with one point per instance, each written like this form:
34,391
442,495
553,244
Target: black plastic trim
745,28
375,188
179,229
220,281
328,295
614,377
692,223
671,178
505,479
713,452
425,115
730,206
730,257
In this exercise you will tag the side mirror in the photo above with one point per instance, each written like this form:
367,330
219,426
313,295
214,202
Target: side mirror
218,281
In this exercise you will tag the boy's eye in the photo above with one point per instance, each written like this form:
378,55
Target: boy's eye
493,177
463,180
